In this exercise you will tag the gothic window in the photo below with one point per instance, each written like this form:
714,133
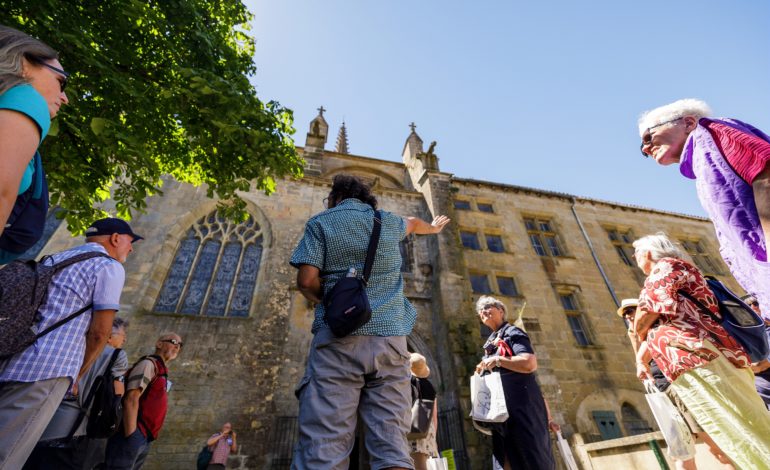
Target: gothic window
215,269
543,237
407,255
633,421
470,240
576,318
697,250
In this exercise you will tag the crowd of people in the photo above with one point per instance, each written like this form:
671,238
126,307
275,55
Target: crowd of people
367,377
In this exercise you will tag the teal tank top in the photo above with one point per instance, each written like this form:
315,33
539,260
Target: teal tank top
26,100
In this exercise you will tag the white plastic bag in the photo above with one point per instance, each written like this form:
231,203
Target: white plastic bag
438,463
679,439
566,452
488,398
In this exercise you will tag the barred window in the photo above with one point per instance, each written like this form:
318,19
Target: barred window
215,269
697,250
543,237
633,421
470,240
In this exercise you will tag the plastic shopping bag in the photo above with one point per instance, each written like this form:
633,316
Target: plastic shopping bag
438,463
488,398
679,439
566,452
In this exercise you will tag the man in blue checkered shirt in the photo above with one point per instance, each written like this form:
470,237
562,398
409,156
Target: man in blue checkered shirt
367,373
34,381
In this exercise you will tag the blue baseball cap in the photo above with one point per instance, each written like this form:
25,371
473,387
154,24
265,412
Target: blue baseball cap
109,226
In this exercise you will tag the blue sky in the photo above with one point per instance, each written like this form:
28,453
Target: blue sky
540,94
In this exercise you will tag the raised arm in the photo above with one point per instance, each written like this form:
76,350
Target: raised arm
421,227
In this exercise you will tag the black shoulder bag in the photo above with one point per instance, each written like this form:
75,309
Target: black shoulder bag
347,306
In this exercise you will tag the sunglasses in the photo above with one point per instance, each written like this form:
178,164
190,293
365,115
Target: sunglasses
647,139
65,75
173,341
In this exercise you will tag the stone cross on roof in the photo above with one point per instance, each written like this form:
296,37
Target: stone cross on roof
321,110
413,126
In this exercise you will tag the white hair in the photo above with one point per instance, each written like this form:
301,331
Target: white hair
677,109
485,300
659,246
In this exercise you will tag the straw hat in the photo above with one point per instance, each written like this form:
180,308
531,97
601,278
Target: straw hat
625,303
419,366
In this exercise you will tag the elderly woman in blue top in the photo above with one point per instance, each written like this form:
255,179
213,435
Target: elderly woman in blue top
367,373
521,442
31,92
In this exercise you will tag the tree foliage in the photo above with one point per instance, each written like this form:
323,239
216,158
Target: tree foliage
158,87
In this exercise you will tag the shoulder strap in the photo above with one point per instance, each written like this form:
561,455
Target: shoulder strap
373,242
58,267
702,307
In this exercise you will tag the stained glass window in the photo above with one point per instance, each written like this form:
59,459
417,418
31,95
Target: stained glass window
215,269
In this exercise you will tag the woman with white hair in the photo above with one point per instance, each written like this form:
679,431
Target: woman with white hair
729,161
707,368
521,442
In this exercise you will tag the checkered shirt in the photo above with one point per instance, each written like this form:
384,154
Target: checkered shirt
60,352
336,240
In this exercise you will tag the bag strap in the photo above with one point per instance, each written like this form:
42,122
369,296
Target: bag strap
61,322
700,306
373,242
58,267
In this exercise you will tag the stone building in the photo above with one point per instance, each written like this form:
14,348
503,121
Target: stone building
559,262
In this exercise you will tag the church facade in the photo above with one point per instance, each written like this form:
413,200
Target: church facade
559,262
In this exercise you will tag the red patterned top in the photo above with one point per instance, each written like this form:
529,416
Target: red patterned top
676,339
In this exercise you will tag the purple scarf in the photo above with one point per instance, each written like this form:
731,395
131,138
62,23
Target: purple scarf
729,202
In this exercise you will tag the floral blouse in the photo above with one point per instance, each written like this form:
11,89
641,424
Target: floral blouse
676,339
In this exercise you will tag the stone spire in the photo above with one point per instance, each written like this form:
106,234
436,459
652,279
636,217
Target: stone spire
342,140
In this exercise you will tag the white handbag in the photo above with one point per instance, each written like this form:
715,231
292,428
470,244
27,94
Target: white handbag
679,439
488,398
566,452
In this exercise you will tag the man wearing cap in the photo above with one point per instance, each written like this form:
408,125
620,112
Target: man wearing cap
34,381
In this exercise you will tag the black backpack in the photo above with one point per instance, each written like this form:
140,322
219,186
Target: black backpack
27,218
105,409
23,289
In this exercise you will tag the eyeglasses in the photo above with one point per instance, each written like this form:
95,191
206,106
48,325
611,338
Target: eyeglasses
629,312
173,341
65,75
647,140
754,304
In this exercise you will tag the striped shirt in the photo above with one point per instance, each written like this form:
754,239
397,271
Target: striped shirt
60,352
336,240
